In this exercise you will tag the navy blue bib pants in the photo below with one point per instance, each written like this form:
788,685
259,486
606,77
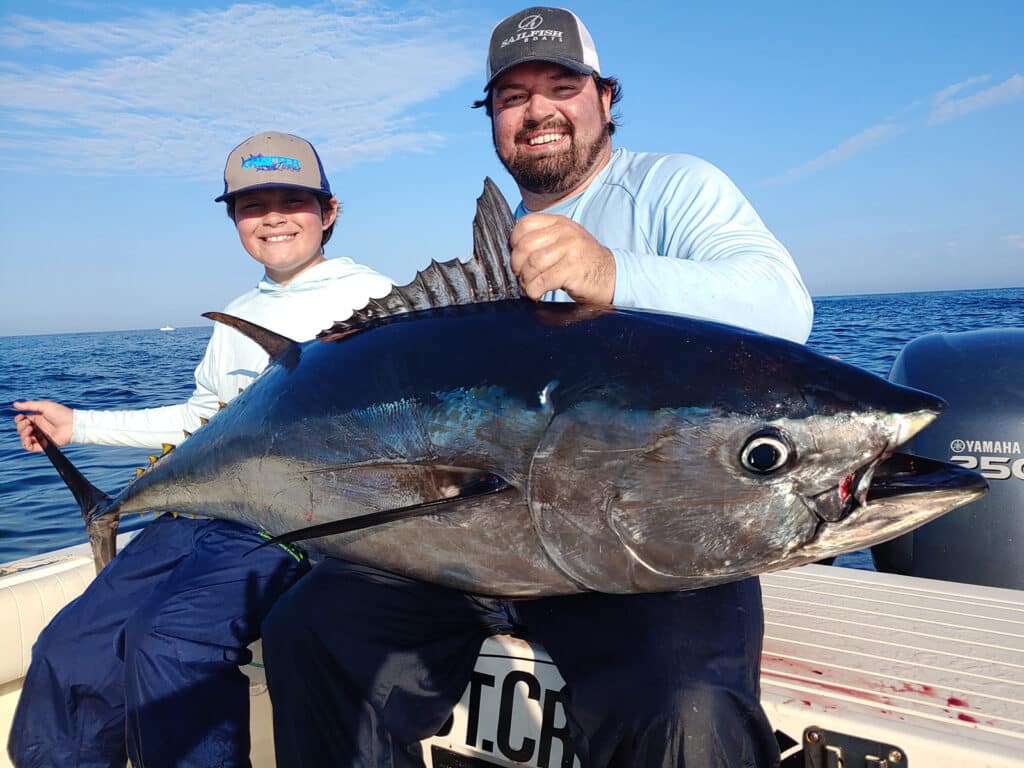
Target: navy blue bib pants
363,663
145,663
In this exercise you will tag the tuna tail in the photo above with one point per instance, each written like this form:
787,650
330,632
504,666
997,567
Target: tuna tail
94,503
487,276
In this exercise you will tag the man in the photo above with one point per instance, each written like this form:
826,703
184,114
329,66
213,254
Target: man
157,638
363,663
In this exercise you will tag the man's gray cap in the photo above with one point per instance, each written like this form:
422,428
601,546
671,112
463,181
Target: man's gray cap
541,34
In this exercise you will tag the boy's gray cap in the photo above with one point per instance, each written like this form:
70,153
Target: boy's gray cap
541,34
272,159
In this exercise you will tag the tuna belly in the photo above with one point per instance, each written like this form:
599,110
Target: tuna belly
485,546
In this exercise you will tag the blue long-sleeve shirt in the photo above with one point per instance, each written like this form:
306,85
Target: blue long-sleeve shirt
686,240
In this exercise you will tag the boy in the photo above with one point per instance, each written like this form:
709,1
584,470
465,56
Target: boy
158,637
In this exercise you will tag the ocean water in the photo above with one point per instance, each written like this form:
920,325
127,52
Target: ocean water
148,368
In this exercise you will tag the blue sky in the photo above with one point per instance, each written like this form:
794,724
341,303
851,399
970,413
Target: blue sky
882,142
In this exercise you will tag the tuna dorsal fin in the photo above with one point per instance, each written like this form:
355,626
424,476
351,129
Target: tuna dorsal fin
274,344
487,276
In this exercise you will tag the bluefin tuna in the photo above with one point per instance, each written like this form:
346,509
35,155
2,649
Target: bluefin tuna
459,433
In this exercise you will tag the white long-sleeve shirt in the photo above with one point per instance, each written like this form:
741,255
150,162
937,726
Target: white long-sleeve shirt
299,309
686,240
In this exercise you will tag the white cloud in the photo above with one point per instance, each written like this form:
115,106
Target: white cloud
1016,240
950,108
866,139
167,92
947,104
951,90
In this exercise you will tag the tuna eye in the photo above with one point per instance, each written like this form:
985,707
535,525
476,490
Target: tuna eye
764,453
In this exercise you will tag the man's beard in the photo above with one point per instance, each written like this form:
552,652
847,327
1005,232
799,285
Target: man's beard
560,172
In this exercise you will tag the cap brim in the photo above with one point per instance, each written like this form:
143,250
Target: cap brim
572,64
275,185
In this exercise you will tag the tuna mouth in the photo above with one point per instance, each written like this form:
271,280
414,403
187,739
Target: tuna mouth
905,491
897,477
904,475
837,503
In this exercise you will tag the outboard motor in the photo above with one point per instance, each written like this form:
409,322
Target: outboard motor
981,375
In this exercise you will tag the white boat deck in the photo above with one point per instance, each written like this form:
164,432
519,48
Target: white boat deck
933,669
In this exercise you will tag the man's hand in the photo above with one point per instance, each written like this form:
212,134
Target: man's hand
53,418
551,252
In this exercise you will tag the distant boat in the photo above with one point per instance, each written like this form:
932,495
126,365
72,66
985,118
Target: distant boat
167,328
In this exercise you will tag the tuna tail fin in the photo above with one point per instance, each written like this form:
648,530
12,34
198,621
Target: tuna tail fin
94,504
487,276
278,347
484,485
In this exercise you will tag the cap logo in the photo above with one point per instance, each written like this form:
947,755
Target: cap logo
271,163
530,33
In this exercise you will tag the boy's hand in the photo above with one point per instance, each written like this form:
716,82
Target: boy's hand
53,418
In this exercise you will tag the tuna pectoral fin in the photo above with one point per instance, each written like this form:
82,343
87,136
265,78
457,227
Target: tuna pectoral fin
484,485
94,503
274,344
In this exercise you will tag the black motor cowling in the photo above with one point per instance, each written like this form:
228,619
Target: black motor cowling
980,374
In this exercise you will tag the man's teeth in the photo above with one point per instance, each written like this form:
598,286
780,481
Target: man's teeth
547,138
279,238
